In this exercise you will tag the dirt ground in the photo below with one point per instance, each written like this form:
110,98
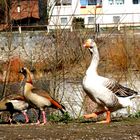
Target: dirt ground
122,129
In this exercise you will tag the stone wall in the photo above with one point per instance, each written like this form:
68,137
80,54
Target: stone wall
28,45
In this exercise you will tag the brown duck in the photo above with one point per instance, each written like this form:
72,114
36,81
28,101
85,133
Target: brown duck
38,98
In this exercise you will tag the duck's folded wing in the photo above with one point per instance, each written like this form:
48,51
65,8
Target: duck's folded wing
41,92
46,95
118,89
14,97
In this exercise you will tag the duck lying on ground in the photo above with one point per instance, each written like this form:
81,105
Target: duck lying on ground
14,104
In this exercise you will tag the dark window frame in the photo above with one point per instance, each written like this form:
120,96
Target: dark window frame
63,2
135,1
92,2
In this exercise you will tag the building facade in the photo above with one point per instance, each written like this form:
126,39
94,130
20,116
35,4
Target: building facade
121,12
62,13
102,12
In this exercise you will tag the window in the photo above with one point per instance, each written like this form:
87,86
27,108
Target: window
83,2
117,2
92,2
99,2
64,21
136,1
63,2
90,20
58,2
111,2
66,2
116,19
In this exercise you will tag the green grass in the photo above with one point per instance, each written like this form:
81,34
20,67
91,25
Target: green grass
136,115
59,118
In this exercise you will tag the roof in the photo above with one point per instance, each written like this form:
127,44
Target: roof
28,9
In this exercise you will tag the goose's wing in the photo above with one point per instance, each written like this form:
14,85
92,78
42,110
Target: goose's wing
118,89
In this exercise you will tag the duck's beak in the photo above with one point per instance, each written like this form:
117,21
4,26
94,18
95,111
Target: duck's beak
19,71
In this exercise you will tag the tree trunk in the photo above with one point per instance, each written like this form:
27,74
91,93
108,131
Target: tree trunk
6,11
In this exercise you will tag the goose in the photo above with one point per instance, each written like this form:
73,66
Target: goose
14,104
107,93
38,98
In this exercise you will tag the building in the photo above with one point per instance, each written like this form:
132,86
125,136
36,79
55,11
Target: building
121,12
62,13
71,14
91,10
27,14
106,13
65,13
24,12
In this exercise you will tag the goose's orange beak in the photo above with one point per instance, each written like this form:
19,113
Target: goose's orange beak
87,44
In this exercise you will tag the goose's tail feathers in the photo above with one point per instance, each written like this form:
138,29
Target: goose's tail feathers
127,101
135,96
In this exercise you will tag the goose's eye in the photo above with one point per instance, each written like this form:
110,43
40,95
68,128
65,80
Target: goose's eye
90,47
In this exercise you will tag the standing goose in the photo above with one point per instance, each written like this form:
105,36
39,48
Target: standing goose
38,98
13,104
107,93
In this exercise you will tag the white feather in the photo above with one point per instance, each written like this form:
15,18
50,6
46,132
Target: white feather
19,105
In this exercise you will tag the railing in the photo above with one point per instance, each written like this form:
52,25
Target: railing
49,28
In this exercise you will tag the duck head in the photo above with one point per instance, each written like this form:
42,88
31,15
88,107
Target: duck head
23,71
27,74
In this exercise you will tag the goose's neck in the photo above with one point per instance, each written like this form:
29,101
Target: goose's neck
92,69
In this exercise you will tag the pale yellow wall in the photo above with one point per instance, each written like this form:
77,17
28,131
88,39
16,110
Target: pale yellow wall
90,10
